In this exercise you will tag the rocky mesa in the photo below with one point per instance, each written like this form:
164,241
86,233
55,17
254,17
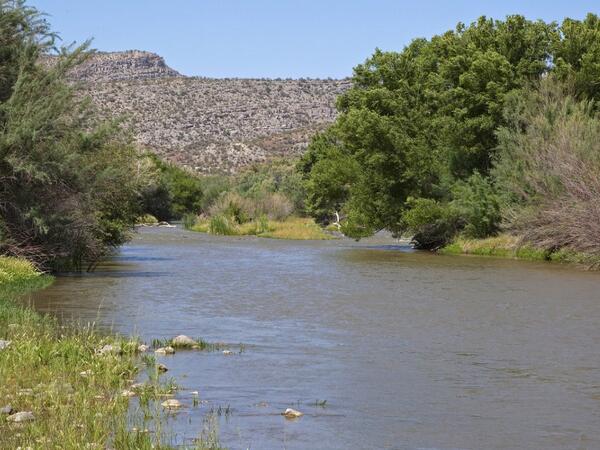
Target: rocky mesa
210,125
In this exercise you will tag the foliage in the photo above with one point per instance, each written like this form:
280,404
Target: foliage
173,192
478,204
418,129
432,224
69,186
577,56
549,166
222,225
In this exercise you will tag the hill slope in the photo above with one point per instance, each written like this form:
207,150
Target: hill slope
211,125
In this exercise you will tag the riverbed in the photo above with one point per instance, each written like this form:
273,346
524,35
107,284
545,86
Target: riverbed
378,345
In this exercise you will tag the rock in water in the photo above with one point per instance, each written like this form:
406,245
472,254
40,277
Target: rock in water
161,368
291,413
165,350
227,352
23,416
172,404
183,341
142,348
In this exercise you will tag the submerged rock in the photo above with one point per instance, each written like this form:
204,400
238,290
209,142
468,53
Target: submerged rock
172,404
161,368
4,344
183,341
227,352
23,416
291,413
165,350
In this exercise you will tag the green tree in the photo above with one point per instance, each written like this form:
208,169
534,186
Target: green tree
69,190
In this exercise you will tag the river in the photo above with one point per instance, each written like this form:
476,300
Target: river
409,350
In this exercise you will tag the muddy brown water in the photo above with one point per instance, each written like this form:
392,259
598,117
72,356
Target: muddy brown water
410,350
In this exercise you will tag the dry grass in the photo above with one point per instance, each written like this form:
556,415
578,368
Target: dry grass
294,228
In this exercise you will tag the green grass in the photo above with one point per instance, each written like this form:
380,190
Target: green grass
294,228
507,246
55,372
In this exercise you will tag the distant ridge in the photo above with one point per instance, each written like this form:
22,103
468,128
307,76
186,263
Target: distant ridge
126,65
208,124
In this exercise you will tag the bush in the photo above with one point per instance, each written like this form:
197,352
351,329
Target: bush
274,206
549,165
221,225
233,205
478,206
432,223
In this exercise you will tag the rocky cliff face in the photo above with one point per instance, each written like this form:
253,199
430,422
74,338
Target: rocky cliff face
129,65
211,125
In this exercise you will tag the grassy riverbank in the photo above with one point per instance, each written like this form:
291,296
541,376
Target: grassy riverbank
507,246
294,228
74,393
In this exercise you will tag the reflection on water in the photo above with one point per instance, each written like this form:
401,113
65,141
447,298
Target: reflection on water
410,350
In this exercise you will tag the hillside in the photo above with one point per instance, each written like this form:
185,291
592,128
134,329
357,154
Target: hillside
211,125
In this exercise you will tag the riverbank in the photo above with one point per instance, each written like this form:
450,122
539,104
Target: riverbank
293,228
507,246
68,387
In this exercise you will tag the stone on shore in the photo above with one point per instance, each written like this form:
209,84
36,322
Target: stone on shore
6,410
23,416
4,344
142,348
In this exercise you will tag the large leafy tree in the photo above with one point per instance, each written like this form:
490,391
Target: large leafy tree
417,122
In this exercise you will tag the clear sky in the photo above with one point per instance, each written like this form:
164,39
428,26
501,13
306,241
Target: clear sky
277,38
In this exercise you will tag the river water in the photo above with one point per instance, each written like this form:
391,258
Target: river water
409,350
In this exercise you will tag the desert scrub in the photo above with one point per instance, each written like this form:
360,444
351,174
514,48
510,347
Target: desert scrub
59,374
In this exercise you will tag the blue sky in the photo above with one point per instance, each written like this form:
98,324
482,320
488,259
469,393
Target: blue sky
276,38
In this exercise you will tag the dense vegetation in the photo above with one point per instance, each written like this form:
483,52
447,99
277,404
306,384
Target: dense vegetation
70,184
485,127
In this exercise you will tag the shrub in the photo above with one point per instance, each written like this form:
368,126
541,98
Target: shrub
274,206
221,225
432,223
233,205
478,205
549,164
